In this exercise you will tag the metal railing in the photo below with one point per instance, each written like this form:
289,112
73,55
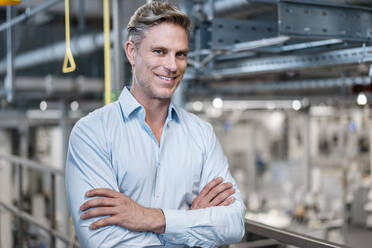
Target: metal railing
21,163
286,237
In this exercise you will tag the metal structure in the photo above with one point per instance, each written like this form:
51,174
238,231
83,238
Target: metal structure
288,87
28,13
79,46
9,81
233,39
21,163
287,237
293,35
318,19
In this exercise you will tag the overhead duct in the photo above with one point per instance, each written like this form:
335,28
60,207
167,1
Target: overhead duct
235,7
284,87
81,45
50,84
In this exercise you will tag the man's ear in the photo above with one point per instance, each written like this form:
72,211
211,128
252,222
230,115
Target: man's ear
130,51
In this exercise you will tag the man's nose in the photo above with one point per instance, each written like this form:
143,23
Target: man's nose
171,63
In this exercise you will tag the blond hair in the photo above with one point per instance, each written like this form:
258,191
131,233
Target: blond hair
152,14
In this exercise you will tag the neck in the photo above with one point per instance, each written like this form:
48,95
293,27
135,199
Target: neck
156,109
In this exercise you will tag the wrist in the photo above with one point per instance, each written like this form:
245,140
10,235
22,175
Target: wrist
156,220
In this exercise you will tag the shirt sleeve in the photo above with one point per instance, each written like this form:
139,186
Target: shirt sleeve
212,226
88,166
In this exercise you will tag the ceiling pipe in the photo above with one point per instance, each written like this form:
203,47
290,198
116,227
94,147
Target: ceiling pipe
81,45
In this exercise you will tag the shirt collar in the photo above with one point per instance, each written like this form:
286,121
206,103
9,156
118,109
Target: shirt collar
173,112
129,104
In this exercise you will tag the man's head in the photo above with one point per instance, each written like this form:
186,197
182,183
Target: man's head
157,49
152,14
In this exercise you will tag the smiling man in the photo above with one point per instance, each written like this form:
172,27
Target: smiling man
142,172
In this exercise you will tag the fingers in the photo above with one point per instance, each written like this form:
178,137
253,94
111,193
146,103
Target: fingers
227,202
215,193
104,222
217,190
99,202
211,185
98,212
222,196
103,192
202,200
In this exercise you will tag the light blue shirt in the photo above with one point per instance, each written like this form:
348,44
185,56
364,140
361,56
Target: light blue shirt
113,147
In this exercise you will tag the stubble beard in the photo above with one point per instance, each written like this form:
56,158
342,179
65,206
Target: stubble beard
151,91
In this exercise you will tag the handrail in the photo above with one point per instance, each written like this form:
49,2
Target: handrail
26,216
289,237
21,163
33,165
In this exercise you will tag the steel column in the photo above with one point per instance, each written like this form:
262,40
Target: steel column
53,217
117,44
19,198
9,81
307,150
81,22
60,201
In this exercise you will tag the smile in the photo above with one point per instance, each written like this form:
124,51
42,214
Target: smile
166,78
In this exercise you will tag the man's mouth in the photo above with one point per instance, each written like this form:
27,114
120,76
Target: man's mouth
166,78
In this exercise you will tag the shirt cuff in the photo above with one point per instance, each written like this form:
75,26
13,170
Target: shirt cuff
175,220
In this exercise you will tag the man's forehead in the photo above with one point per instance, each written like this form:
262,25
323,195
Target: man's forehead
166,27
166,35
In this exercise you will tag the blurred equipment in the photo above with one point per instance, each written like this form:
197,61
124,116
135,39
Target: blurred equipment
9,2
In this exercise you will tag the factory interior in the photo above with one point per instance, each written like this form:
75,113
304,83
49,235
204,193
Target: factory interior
286,85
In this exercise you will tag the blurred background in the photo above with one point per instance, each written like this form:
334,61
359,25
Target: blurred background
286,85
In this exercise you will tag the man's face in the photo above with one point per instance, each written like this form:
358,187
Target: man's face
160,61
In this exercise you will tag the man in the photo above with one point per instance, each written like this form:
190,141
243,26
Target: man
142,172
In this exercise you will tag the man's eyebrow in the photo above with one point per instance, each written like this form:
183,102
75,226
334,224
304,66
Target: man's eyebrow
158,47
186,50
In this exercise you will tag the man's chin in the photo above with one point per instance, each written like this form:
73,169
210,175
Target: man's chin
164,97
164,94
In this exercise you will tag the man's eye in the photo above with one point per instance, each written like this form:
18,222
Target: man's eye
158,51
182,55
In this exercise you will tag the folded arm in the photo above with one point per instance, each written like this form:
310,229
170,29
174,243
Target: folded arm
212,226
89,167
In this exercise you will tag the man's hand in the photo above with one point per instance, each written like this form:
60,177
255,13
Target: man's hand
122,211
215,193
